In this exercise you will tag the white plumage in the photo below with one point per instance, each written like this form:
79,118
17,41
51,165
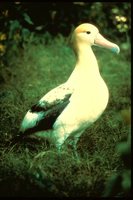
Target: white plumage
67,110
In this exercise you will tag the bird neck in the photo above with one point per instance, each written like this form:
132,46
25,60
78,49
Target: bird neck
86,58
86,68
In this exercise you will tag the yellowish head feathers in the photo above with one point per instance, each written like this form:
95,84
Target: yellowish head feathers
85,27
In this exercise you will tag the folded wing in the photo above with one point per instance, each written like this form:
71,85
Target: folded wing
42,115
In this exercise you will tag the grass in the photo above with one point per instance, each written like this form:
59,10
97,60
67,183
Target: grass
29,74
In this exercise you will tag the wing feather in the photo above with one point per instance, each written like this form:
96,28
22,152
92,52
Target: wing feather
42,115
55,96
48,119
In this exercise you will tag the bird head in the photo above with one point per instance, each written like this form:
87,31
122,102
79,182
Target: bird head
88,34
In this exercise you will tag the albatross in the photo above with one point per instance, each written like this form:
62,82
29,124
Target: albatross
69,109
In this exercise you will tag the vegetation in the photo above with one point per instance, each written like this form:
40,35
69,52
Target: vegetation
29,64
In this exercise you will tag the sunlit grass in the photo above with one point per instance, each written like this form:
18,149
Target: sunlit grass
31,73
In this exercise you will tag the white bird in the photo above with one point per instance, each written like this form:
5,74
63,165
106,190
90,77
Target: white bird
67,110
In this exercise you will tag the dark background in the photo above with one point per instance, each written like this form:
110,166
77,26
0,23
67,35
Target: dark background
62,16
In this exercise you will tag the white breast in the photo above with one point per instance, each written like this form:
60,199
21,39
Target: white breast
86,105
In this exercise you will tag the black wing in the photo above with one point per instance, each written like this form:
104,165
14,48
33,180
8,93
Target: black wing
46,122
50,107
49,116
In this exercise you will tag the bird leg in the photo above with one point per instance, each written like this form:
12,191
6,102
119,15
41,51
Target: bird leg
73,142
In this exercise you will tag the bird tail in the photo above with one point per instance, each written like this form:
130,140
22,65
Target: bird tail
17,139
23,138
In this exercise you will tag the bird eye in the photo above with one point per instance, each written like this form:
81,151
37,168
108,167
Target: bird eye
88,32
